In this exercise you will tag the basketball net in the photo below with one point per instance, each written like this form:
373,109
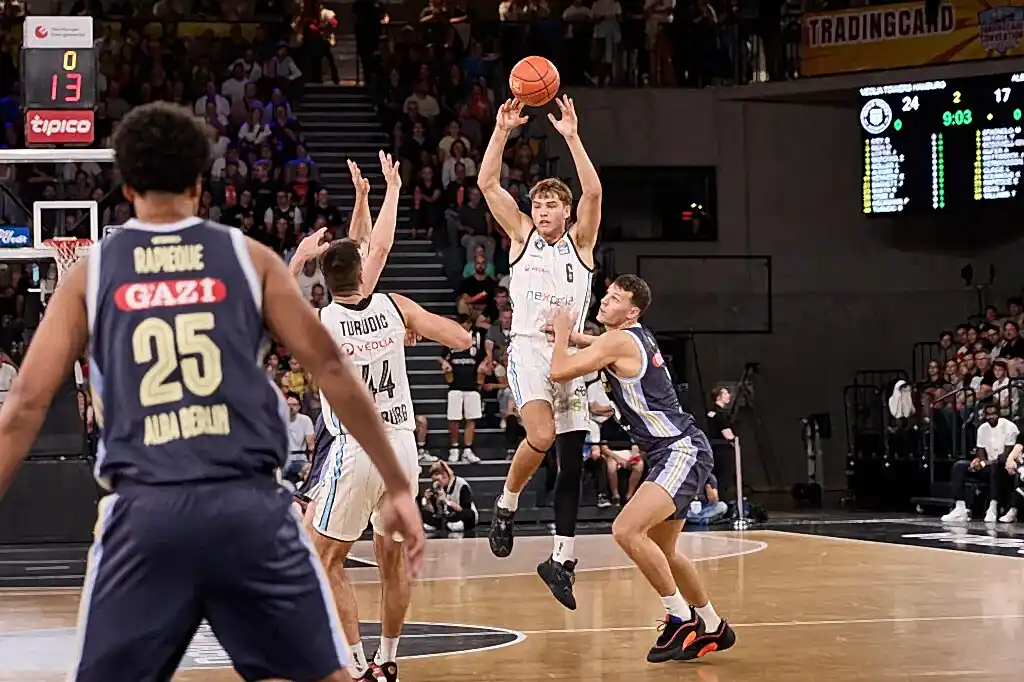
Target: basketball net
67,250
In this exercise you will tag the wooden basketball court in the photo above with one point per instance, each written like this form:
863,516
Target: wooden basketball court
804,607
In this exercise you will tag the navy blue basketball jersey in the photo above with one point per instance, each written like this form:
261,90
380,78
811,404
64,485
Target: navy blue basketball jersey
177,335
648,402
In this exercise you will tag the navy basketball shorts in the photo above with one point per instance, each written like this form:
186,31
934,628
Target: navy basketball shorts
316,468
681,468
233,553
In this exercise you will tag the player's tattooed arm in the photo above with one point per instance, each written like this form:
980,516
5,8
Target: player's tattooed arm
59,341
503,207
448,333
383,236
588,211
361,222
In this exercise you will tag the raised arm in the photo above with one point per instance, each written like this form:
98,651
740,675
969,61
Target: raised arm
293,321
506,211
309,248
447,332
383,236
60,341
588,211
361,223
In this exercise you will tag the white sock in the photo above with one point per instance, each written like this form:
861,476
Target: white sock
565,549
675,605
711,619
993,505
961,504
359,665
509,500
388,650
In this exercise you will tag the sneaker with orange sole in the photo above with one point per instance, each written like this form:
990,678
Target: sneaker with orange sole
676,634
708,642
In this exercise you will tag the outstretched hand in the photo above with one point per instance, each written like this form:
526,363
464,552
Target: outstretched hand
361,184
390,170
312,246
510,115
568,125
561,322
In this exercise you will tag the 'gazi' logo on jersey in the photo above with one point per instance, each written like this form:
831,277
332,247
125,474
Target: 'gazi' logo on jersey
545,297
169,293
657,360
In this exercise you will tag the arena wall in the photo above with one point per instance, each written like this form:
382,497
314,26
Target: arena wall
849,292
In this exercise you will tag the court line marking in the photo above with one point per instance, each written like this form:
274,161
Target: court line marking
900,545
794,623
753,547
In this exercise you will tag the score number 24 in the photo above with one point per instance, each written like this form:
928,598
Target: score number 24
1002,95
74,84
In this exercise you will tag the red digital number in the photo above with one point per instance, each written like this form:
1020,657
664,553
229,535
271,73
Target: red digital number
75,86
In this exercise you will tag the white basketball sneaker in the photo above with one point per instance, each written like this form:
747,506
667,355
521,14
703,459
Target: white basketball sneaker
959,514
469,457
1010,516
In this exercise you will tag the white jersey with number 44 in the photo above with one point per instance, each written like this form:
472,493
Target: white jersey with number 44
372,333
544,277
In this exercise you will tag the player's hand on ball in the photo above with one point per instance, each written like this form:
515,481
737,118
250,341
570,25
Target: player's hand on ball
361,184
312,246
400,515
389,169
568,125
561,322
510,115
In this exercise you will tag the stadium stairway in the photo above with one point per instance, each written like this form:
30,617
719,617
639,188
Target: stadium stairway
340,123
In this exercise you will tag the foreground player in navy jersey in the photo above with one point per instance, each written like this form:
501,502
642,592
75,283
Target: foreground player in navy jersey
176,311
678,457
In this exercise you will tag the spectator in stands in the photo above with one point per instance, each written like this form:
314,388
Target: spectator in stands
1003,394
283,209
285,66
457,157
310,277
478,254
448,502
322,208
722,435
995,439
254,132
476,226
221,105
426,104
300,440
428,205
476,293
318,296
1012,349
499,335
464,370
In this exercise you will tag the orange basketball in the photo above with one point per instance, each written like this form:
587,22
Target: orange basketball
534,81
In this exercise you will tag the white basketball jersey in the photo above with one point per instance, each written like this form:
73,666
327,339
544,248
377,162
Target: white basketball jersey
372,332
546,276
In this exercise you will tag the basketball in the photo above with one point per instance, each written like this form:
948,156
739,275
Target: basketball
534,81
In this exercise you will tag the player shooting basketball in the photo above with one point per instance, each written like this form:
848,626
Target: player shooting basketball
552,263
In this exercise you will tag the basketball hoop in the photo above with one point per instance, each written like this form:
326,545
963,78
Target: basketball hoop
67,250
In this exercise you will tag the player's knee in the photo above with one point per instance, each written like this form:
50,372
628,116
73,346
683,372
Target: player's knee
625,533
541,436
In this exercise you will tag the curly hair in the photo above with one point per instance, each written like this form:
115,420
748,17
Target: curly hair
161,147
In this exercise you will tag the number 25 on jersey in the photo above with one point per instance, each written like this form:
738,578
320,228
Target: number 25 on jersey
188,346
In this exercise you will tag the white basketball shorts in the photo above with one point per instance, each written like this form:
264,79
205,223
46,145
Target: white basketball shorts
529,377
464,405
352,490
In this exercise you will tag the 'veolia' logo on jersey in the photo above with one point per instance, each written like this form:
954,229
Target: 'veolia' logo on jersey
169,293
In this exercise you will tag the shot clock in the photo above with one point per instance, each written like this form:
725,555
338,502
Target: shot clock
59,79
942,146
58,63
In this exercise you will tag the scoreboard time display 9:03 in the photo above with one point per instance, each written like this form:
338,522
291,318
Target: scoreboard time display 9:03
942,146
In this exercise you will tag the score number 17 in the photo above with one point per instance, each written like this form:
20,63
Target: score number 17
1002,95
74,84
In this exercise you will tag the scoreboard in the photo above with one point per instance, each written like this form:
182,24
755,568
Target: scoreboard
942,146
59,76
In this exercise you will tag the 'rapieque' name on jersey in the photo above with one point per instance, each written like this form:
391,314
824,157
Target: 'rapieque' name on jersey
372,333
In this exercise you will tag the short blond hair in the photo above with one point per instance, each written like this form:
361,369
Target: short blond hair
552,187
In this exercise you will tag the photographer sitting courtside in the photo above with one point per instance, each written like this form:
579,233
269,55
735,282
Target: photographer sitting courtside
995,439
448,502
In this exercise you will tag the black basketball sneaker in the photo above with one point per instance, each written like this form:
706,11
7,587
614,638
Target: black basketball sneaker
676,634
388,672
560,577
372,674
707,642
502,533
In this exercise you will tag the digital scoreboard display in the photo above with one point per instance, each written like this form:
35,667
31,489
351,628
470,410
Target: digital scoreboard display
59,79
942,146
